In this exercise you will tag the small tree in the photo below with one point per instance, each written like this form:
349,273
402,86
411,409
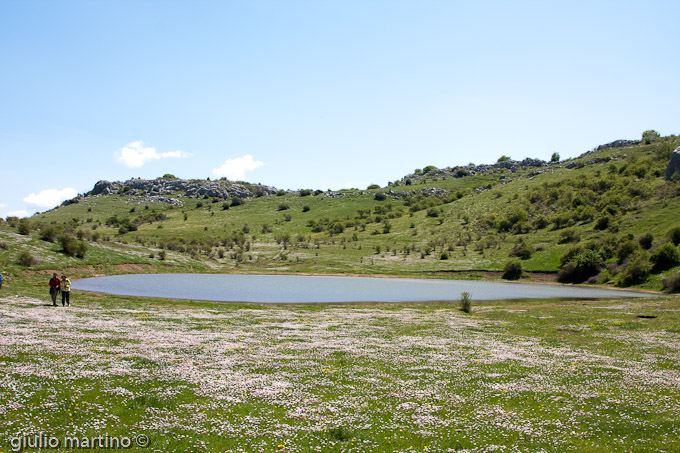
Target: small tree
555,157
465,302
373,186
503,158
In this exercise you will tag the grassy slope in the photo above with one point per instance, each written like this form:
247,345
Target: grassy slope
413,246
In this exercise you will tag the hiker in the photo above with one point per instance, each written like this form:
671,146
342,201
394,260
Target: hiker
0,281
54,288
65,291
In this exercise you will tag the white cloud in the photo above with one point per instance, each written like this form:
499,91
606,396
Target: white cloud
49,198
135,154
3,205
20,213
235,169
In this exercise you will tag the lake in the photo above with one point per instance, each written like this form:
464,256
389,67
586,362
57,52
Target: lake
309,289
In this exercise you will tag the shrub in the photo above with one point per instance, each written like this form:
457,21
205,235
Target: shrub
26,259
674,235
555,157
305,208
626,249
602,223
236,201
72,247
672,283
579,264
305,192
636,270
540,222
380,196
665,257
280,193
522,250
24,227
569,235
465,302
373,186
387,227
4,245
283,207
512,270
433,212
646,241
161,255
650,135
444,256
225,205
48,234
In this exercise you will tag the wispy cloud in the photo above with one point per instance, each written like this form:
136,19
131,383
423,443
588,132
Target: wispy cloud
235,169
20,213
3,205
49,198
135,154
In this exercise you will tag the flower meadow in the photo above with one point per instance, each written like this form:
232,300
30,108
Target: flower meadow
191,376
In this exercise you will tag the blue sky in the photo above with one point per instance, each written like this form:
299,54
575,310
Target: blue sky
309,94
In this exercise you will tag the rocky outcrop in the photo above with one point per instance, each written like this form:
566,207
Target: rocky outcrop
167,190
189,188
617,144
673,164
102,188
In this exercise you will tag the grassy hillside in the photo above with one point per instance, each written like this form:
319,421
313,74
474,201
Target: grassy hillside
469,220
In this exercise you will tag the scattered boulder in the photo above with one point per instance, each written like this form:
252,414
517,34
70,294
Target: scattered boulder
673,164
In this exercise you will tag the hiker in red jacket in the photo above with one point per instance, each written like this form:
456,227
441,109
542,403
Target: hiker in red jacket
54,288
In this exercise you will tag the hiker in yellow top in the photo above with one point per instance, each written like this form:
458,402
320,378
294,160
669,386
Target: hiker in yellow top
65,291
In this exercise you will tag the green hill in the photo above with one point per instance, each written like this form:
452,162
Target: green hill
598,218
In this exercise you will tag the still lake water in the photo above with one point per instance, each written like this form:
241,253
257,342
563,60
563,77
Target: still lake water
307,289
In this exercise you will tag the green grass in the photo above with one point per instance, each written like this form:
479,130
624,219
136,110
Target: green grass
539,375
